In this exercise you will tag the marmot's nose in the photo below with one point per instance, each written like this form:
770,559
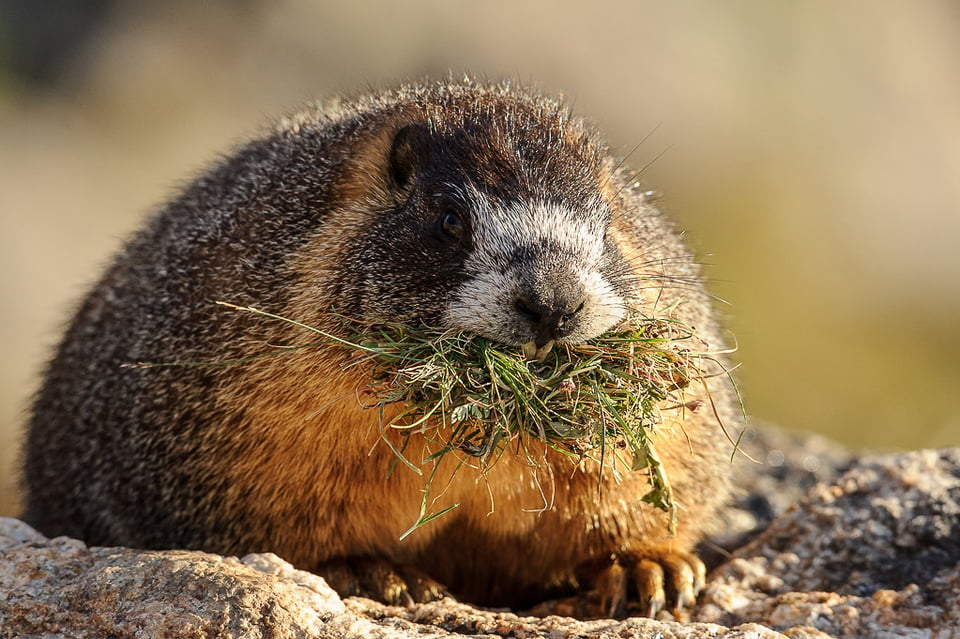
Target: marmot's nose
549,321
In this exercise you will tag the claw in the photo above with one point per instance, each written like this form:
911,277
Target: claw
648,576
420,587
612,588
644,585
381,580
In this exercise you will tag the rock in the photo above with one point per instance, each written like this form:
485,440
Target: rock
774,469
873,552
876,553
61,588
462,620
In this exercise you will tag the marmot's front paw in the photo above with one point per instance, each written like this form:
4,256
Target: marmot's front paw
643,585
379,579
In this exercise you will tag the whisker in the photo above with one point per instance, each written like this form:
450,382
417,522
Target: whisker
628,183
625,158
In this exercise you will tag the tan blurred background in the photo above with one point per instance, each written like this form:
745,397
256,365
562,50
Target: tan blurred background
812,151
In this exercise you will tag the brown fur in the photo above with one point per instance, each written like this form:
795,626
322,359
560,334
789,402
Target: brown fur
278,454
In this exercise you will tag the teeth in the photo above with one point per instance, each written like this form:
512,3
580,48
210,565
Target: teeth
530,350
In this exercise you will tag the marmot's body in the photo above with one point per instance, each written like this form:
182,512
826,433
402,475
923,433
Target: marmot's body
455,206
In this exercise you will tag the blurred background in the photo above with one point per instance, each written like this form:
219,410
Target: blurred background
811,150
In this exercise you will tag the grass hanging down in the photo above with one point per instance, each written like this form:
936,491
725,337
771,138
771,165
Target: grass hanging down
469,396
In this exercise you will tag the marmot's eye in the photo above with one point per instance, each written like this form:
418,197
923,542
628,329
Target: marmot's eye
452,224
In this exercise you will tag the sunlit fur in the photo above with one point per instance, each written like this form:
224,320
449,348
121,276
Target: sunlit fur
569,248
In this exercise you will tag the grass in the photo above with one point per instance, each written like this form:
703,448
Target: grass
475,399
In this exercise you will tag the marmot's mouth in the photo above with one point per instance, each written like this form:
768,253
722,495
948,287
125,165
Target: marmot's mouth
533,350
489,307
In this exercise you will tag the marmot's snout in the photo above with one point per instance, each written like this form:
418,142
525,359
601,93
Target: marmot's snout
551,305
539,274
549,321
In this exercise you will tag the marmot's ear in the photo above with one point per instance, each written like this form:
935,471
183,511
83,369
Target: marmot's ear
408,153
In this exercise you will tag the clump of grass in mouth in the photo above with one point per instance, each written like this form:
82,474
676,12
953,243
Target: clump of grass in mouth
471,397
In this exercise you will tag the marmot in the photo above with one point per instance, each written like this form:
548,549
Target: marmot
467,205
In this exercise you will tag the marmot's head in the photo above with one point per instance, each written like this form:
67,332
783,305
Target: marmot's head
497,224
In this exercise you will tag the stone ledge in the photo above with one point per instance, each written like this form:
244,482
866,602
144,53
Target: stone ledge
873,552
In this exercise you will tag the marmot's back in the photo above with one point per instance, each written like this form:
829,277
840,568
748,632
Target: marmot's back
477,208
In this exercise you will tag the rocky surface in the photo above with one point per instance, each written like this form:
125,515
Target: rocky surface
774,470
870,549
875,553
62,588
